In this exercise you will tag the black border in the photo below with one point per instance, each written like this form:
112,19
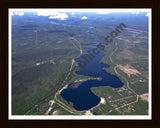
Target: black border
154,4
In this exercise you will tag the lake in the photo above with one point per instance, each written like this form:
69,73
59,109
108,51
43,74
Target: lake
82,97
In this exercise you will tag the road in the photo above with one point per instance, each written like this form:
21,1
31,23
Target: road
67,108
75,112
55,98
125,80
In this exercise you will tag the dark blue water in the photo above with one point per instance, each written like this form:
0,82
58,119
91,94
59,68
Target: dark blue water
82,97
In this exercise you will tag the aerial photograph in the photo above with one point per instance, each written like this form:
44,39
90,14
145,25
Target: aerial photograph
82,63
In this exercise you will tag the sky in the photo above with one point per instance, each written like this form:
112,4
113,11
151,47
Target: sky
62,13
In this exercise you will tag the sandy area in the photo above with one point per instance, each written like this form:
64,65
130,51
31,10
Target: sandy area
55,113
88,113
128,69
145,96
59,42
102,101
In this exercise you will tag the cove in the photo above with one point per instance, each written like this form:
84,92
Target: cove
82,97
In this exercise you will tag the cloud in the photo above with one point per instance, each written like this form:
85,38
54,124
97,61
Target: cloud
148,14
52,13
20,13
61,16
62,13
84,18
107,11
48,12
135,12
